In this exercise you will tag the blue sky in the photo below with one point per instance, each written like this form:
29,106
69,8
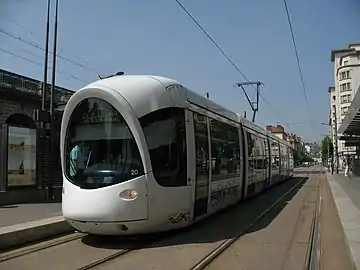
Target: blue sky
157,37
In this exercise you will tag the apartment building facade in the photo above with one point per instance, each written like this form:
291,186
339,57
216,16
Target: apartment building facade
346,83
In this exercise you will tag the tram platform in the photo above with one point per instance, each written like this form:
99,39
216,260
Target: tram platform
346,194
22,223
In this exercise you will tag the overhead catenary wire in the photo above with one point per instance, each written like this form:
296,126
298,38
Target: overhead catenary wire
40,64
222,51
31,33
298,62
38,46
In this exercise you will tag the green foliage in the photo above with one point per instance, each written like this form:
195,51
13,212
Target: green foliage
300,157
327,148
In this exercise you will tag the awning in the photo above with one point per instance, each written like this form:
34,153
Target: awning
351,123
350,140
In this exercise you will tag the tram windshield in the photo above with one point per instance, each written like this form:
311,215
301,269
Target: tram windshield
100,148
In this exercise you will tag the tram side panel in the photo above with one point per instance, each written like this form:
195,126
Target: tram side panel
201,162
170,181
222,164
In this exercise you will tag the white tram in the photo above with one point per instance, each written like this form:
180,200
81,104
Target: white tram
143,153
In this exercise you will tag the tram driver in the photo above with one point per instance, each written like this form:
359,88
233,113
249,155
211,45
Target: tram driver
77,161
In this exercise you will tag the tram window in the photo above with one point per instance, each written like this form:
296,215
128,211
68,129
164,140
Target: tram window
275,153
266,153
166,140
256,154
284,156
202,149
251,160
100,148
225,150
261,157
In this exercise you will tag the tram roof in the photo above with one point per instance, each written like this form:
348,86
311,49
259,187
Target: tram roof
146,93
164,92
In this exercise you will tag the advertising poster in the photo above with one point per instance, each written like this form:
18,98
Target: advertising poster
21,156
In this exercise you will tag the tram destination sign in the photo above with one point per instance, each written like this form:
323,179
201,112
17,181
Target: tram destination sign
100,116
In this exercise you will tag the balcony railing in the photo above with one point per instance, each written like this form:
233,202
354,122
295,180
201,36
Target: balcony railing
12,81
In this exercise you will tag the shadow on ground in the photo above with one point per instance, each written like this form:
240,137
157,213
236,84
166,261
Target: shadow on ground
221,226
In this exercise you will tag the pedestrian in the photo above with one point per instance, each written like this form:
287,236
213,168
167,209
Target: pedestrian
346,163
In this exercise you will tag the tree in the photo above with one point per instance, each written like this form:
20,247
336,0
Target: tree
301,157
326,148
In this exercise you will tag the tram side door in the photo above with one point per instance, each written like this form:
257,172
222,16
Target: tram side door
199,163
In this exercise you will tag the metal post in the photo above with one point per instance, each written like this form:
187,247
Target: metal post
43,94
44,91
46,56
54,63
52,92
257,101
336,142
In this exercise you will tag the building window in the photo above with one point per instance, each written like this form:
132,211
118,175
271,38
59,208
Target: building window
345,99
346,62
344,110
345,75
345,87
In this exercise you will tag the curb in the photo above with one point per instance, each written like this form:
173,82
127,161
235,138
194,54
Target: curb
19,234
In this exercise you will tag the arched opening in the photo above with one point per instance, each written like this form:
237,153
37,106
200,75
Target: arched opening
21,150
20,120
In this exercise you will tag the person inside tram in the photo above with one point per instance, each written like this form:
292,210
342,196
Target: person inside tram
77,161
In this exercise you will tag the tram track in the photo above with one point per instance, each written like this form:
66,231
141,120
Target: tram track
311,258
147,240
141,244
206,261
39,246
312,261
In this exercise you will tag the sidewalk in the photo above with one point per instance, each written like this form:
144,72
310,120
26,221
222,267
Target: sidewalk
346,193
21,213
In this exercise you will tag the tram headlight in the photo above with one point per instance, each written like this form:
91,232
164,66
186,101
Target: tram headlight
128,194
